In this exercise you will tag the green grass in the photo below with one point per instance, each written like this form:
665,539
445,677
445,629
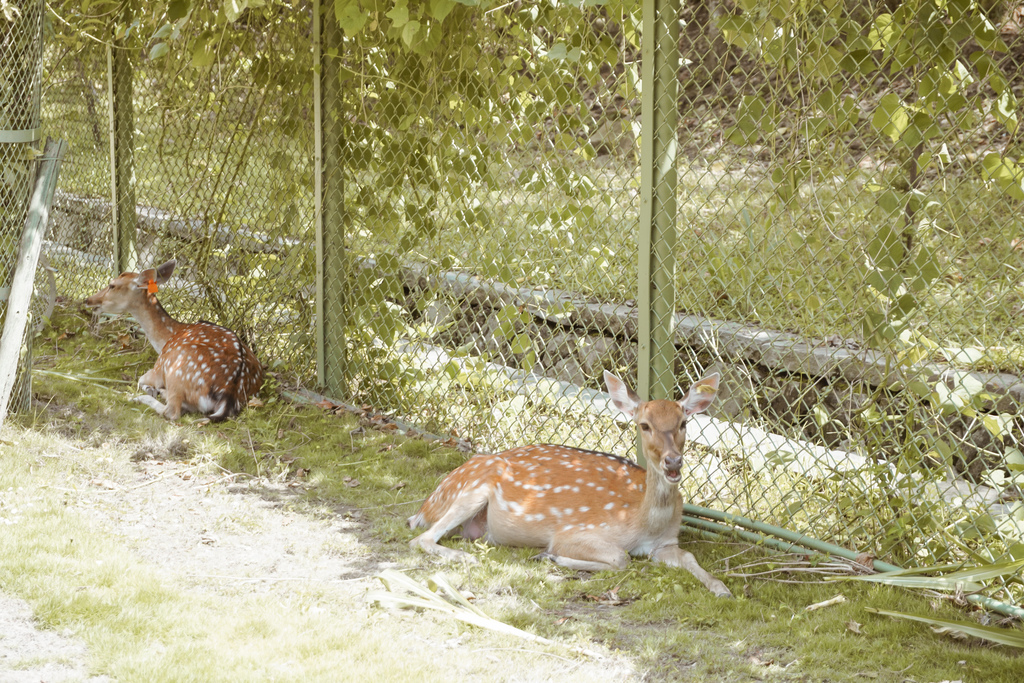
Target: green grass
141,624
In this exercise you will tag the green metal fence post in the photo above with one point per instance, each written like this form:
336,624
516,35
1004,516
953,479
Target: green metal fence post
122,152
331,271
657,238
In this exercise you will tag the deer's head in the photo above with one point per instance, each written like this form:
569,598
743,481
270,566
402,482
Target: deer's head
662,423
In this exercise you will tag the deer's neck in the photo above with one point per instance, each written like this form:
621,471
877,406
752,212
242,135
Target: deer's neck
157,323
660,506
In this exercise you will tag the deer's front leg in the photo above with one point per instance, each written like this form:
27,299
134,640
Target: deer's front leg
674,556
152,382
463,510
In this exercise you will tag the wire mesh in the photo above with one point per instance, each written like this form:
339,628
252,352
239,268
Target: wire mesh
76,103
846,248
225,184
489,196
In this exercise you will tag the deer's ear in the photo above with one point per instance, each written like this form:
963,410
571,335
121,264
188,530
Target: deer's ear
700,395
143,279
622,396
163,272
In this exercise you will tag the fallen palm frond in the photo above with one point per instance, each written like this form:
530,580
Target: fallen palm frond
91,379
799,569
994,634
966,580
418,596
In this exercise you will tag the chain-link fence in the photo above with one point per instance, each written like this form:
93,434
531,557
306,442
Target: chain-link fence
438,209
478,217
76,102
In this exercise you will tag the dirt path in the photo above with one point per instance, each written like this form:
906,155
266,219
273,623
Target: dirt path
235,536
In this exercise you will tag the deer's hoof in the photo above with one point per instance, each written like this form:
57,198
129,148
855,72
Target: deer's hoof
458,556
448,554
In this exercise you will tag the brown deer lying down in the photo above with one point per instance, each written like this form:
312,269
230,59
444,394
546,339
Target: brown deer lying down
589,511
202,367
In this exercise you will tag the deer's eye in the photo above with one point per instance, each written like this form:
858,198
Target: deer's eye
645,427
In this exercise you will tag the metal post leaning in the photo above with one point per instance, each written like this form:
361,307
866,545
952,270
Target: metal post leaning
21,62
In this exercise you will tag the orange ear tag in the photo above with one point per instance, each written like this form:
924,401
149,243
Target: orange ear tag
151,287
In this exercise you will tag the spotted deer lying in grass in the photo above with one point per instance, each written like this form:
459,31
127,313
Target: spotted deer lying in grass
589,511
202,367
